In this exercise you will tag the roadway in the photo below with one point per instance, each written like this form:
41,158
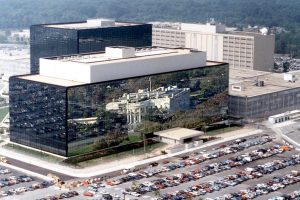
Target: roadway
37,169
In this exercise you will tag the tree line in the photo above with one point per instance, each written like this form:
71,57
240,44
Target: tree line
283,13
23,13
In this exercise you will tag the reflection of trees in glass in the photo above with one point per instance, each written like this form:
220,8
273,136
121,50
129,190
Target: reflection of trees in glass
84,100
209,111
149,127
209,95
157,115
114,138
176,78
107,124
108,121
208,90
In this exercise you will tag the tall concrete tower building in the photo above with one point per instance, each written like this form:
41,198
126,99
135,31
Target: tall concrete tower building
242,50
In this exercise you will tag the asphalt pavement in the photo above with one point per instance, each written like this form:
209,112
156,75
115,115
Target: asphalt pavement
37,169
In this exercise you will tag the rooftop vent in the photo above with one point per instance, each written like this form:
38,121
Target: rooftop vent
237,88
100,22
120,52
264,31
260,83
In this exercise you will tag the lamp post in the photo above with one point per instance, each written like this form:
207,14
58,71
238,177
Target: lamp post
144,138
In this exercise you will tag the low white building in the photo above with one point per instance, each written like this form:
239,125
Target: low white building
178,135
290,115
256,94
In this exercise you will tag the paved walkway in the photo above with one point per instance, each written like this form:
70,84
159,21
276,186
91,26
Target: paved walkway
119,164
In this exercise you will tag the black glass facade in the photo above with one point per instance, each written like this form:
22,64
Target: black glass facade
49,41
96,116
38,117
92,40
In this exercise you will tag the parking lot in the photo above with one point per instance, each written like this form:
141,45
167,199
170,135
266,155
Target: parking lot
218,171
254,167
14,183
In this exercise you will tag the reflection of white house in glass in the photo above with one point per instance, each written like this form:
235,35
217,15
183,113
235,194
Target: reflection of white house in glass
136,105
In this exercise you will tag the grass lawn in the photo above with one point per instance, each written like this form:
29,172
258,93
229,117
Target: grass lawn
120,155
3,113
222,130
82,150
132,138
92,147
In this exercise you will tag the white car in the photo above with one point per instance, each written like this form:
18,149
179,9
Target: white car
3,193
135,194
21,190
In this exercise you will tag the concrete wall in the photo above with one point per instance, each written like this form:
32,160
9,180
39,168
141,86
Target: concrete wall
238,51
264,47
168,38
168,141
141,67
264,105
204,28
212,44
65,70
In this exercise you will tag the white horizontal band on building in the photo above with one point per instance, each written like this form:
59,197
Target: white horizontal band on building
120,62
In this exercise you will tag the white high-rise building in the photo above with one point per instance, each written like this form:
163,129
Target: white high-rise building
245,50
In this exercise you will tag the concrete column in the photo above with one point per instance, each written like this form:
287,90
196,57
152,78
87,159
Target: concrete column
130,120
140,115
128,116
134,117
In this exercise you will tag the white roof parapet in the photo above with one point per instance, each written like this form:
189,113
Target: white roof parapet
195,27
100,22
90,23
273,82
120,52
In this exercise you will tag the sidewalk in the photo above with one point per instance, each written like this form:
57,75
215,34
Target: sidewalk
119,164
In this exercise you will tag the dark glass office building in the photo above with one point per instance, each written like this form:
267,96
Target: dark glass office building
73,119
47,40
